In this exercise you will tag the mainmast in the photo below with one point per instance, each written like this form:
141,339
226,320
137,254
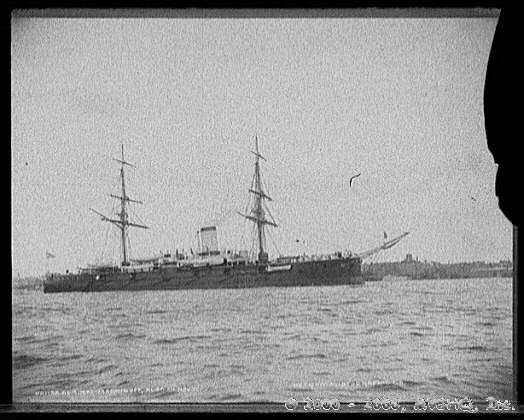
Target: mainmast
123,222
257,214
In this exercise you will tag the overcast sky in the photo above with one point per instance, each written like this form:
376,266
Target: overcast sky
397,100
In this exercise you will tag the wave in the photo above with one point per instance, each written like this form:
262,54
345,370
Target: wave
298,389
407,382
184,338
237,367
352,302
230,397
424,328
38,340
349,332
70,357
23,361
62,384
113,309
105,369
442,380
472,348
220,329
373,330
123,383
386,387
321,373
226,397
383,312
129,336
252,332
307,356
165,394
96,359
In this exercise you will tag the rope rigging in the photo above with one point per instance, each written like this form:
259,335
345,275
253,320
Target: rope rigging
274,243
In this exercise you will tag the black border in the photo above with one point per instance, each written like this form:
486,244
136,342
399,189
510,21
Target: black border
289,9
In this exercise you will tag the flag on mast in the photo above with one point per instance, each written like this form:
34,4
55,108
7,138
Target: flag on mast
49,255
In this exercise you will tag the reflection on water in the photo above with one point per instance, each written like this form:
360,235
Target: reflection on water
404,339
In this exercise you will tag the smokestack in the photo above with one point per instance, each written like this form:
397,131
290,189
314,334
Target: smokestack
208,238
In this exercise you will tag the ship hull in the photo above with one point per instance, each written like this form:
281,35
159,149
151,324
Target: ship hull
306,273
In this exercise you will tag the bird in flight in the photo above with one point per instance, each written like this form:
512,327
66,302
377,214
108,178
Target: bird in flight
352,178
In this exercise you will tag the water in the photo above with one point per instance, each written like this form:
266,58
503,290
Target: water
404,339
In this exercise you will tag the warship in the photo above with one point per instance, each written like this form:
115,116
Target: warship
209,267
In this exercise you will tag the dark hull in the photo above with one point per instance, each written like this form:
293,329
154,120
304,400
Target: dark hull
311,273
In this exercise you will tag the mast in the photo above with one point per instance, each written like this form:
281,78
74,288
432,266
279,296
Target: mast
123,222
198,241
123,214
259,211
257,215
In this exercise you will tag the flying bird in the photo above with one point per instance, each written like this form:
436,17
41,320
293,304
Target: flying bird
352,178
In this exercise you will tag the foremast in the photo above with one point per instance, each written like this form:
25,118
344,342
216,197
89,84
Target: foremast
258,211
123,222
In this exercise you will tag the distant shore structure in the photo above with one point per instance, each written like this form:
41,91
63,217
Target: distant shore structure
412,268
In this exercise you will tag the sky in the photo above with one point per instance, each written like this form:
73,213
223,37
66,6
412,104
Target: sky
397,100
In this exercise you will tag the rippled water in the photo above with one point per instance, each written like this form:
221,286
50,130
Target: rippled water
404,339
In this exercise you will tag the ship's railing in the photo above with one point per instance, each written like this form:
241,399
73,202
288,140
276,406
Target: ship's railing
323,257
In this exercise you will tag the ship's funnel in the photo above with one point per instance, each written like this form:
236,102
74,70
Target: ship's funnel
208,238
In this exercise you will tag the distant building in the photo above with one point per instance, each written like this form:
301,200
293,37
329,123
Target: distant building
414,269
